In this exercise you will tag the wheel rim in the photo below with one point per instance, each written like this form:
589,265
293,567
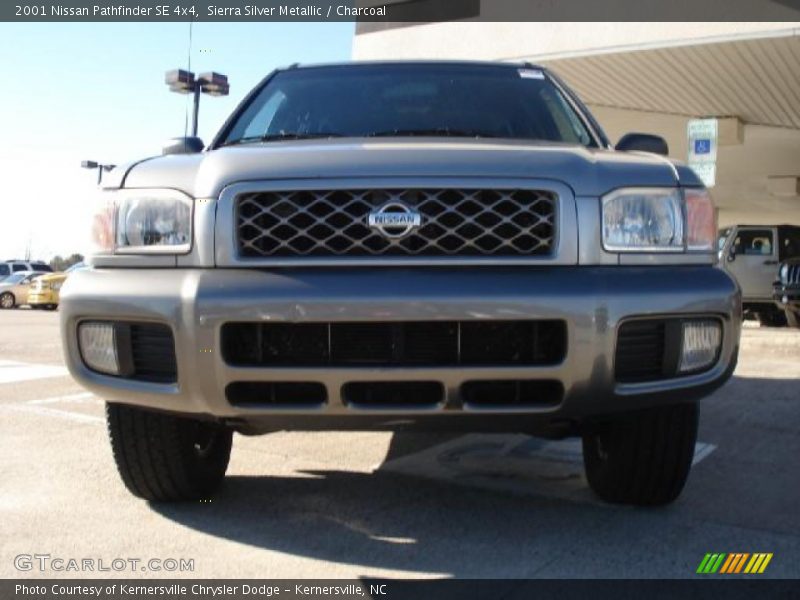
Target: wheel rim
6,301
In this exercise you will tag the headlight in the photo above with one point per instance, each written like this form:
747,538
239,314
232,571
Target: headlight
643,220
143,222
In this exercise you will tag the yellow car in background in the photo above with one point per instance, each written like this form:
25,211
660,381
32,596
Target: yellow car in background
45,289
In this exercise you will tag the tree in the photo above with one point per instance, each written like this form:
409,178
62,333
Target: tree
62,264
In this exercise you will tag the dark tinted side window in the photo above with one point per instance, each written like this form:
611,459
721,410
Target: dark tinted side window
42,267
790,244
17,267
4,270
754,242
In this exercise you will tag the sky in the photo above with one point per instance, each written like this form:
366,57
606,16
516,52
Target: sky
84,91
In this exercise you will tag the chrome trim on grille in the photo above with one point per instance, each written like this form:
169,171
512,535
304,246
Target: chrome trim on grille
558,236
793,274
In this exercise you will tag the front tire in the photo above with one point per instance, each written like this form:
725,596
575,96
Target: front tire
7,300
642,458
167,458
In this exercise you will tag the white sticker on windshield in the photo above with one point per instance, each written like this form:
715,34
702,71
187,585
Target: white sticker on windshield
531,74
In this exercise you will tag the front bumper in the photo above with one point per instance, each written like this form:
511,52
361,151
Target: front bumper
787,295
43,297
593,301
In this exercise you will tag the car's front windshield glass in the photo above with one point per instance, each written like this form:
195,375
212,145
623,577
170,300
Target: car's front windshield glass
385,100
15,278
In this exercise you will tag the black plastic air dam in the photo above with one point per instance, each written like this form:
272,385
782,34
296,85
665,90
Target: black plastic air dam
416,343
276,393
393,393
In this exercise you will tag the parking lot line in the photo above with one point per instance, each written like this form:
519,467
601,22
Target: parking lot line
46,411
12,372
79,398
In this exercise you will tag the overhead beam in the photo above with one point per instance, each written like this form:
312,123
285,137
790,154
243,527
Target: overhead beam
784,186
730,131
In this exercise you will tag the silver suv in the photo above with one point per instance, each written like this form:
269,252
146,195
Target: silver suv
405,245
15,266
752,255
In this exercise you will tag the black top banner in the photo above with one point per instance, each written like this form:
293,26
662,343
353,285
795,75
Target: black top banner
395,12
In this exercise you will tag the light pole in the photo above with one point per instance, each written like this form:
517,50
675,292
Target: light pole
91,164
186,82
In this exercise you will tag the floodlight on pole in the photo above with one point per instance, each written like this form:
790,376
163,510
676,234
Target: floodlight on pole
181,81
93,164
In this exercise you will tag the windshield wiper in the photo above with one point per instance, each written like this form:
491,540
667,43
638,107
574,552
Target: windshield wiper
435,132
274,137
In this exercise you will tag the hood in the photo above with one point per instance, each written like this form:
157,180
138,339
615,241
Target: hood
589,172
51,277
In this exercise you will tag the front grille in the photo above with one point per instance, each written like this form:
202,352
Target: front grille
152,353
453,222
421,343
793,274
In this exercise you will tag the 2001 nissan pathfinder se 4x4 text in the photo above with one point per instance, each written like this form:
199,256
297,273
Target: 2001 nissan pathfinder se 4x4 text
405,245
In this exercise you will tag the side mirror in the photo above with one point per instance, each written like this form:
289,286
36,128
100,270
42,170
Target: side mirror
182,145
643,142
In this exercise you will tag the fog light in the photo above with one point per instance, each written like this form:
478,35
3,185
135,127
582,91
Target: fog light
701,342
98,347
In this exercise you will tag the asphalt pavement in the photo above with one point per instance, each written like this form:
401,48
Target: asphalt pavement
329,505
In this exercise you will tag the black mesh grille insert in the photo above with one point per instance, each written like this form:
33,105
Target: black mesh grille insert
452,222
512,392
275,393
153,353
641,351
432,343
393,393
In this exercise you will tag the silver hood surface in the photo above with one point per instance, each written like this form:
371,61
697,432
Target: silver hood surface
589,172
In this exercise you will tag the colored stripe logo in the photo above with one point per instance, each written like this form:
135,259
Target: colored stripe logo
736,562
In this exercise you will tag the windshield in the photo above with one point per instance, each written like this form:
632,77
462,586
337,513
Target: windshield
410,100
15,278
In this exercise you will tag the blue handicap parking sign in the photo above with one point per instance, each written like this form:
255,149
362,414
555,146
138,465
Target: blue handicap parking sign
702,146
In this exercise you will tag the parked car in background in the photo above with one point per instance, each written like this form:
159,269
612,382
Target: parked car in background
787,291
15,288
751,253
46,289
15,266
